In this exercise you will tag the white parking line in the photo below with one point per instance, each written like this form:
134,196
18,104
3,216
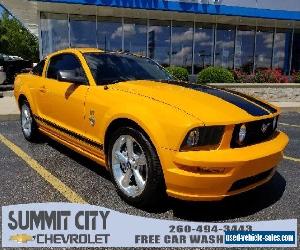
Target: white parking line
67,192
291,158
290,125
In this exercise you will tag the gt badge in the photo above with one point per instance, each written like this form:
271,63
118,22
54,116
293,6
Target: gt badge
92,118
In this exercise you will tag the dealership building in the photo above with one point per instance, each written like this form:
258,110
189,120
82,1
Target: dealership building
236,34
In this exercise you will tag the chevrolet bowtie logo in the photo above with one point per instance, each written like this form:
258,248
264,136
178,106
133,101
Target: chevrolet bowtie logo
21,238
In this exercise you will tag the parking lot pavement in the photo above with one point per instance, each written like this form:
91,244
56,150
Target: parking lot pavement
278,199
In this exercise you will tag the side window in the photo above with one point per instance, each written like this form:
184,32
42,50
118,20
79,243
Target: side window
65,62
38,69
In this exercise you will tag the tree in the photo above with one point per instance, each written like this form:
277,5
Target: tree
17,40
3,37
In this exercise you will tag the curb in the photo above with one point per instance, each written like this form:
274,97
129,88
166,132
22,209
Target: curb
8,93
9,117
290,109
287,106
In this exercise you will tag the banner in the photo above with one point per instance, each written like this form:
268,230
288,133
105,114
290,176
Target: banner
82,225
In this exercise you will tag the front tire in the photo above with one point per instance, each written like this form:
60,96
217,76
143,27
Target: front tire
135,167
28,124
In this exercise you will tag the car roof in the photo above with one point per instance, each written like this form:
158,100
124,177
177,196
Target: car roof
74,50
91,50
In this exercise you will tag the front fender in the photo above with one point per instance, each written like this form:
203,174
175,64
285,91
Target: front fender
153,128
166,134
165,126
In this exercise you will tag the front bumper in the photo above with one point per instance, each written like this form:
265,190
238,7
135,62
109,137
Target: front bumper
244,168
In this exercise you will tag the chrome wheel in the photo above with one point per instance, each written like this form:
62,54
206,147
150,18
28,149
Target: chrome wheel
26,120
129,165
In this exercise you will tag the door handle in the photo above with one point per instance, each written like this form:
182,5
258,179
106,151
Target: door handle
43,89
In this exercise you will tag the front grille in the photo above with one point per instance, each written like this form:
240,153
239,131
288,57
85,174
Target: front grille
255,133
250,180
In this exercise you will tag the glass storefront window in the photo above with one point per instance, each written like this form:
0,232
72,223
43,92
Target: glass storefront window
244,50
204,41
264,44
159,33
281,54
135,36
109,33
224,53
231,46
83,31
54,32
182,44
296,52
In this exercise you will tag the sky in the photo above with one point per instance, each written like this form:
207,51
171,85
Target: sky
1,11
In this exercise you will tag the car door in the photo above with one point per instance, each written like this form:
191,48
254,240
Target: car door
66,100
38,89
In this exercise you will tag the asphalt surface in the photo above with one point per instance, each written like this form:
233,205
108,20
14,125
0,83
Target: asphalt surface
278,199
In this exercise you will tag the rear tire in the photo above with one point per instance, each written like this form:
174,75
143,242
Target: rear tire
28,124
135,168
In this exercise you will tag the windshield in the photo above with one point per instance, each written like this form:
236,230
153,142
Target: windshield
108,68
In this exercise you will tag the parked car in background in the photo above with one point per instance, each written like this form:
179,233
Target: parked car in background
10,66
2,73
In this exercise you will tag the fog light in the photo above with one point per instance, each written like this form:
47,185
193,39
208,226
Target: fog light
242,134
203,170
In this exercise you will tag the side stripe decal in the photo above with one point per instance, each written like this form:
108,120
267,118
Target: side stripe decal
70,133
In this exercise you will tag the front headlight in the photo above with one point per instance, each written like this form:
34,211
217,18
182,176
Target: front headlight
242,134
193,138
204,138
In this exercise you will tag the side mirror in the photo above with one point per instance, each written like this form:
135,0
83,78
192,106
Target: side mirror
70,76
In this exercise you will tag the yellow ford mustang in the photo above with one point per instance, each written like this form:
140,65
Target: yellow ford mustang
154,134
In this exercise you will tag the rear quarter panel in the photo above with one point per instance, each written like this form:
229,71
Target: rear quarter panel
24,85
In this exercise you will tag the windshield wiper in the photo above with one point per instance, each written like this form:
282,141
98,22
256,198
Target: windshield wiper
120,79
171,81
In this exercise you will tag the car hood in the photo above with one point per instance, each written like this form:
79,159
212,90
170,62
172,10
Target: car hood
208,104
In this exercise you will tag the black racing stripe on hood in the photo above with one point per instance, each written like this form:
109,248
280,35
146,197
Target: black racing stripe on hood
242,103
252,99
